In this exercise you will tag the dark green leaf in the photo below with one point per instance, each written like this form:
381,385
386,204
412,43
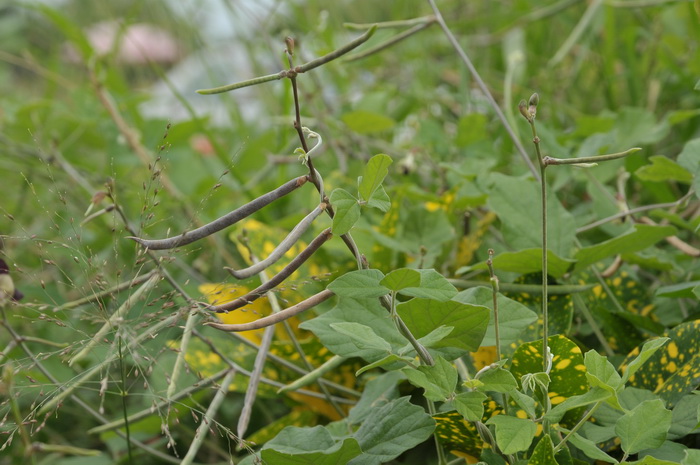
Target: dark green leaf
299,446
543,453
401,278
360,284
470,405
663,169
513,434
380,200
645,427
438,381
433,285
529,261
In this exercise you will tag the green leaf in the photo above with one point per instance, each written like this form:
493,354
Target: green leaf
650,460
529,261
367,122
644,427
514,318
299,446
470,405
601,373
513,434
689,158
516,201
591,397
362,335
429,340
543,453
589,448
433,285
347,211
497,380
648,349
367,312
692,456
377,392
360,284
422,316
525,402
663,169
390,430
685,417
380,200
438,381
376,170
401,278
642,237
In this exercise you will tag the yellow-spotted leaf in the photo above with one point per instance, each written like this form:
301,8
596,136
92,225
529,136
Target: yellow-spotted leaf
568,373
674,370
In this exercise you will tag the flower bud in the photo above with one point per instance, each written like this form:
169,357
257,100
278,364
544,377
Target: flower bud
290,45
522,106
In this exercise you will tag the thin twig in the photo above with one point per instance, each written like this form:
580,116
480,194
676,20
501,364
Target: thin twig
388,43
292,73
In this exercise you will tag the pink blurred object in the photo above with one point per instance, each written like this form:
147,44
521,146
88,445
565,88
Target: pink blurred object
139,43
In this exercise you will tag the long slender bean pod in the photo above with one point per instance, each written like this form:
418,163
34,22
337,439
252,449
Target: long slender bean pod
225,221
278,278
282,248
275,317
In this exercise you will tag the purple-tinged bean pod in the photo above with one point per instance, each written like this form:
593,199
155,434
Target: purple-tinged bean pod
225,221
276,279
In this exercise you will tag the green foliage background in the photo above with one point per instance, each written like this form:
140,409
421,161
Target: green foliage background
457,187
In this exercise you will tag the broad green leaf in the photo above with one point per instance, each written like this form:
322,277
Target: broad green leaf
685,417
470,405
433,285
422,316
530,261
589,448
438,381
648,349
299,446
498,380
692,456
638,126
543,453
367,122
359,284
376,170
380,199
594,395
347,211
377,392
514,318
644,427
663,169
642,237
513,434
649,460
390,430
516,201
362,335
401,278
367,312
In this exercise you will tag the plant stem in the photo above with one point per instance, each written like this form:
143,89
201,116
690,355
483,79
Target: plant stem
543,188
578,425
484,89
494,293
292,73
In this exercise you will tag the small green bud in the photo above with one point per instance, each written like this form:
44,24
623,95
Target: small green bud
522,106
534,100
